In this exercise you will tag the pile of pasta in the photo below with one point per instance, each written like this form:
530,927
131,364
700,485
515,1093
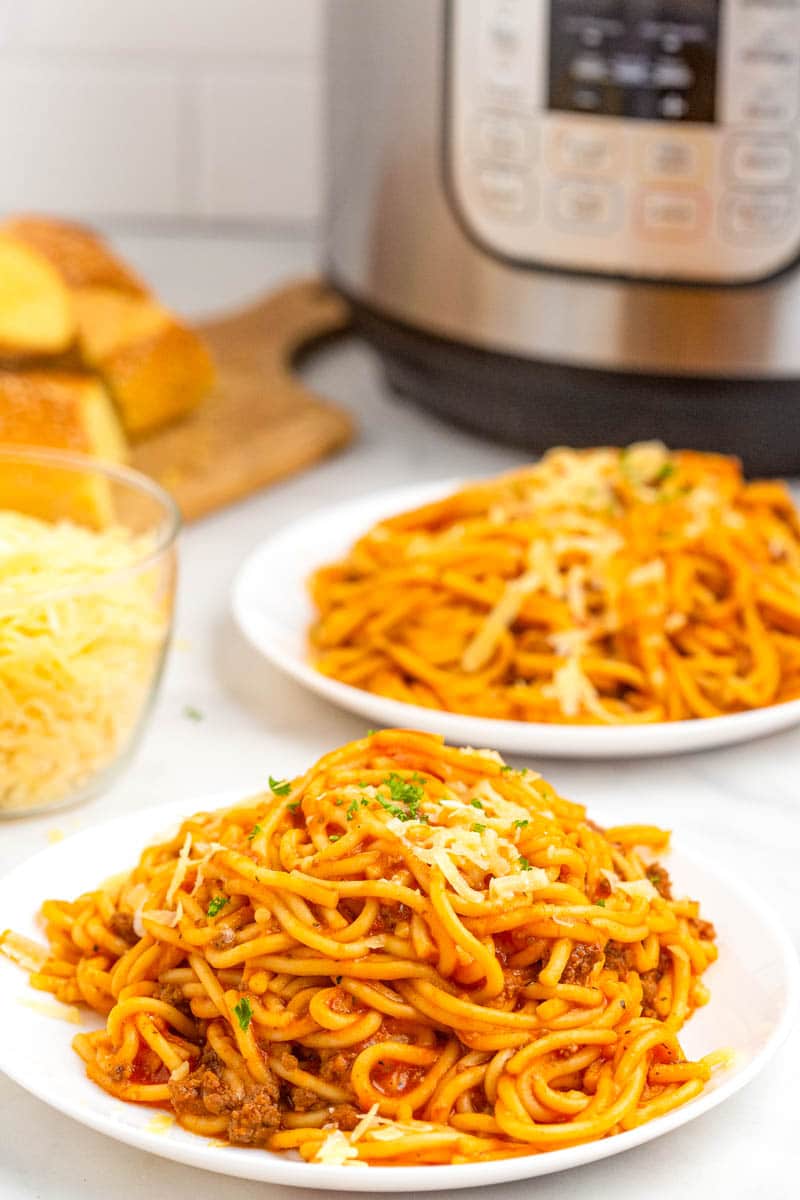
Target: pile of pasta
410,954
598,586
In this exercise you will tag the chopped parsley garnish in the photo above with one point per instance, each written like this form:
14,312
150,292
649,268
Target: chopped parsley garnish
244,1013
192,713
293,807
476,804
521,824
352,810
476,828
334,837
403,792
370,732
216,904
254,832
506,768
666,472
524,865
281,787
600,903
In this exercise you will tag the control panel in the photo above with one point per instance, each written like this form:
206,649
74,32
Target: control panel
654,139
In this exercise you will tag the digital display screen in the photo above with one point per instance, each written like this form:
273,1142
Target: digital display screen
647,59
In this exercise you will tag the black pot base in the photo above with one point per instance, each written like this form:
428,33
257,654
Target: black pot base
535,405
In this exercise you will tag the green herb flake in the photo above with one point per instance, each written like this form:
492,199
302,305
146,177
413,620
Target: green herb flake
334,837
406,793
281,787
293,807
193,714
666,472
476,804
352,810
521,824
371,732
506,768
600,903
476,828
216,904
244,1013
524,865
254,832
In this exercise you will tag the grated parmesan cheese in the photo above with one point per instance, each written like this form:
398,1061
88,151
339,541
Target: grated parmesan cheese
366,1122
638,887
82,632
336,1150
53,1009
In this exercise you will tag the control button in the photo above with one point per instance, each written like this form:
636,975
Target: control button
577,148
672,213
586,207
589,68
756,216
505,192
503,137
672,106
666,159
768,103
762,162
672,73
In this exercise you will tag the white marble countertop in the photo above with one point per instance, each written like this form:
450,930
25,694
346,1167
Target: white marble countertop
740,805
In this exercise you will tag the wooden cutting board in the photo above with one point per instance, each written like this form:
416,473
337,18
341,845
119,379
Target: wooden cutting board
261,423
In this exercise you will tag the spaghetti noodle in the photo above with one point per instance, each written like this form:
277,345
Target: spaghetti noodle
410,954
601,586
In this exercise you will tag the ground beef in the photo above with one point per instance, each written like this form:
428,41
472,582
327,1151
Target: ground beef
253,1121
650,982
122,925
345,1116
704,929
303,1099
172,993
659,877
580,963
616,957
252,1108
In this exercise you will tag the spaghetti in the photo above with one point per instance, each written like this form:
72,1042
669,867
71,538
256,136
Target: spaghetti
600,586
411,954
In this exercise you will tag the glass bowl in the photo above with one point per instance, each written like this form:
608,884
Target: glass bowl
87,582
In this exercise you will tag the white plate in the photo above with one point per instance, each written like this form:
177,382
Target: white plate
754,991
272,607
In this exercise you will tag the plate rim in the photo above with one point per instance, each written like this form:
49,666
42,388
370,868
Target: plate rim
563,740
287,1172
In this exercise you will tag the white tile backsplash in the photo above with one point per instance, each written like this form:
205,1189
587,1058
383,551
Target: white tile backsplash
89,140
259,154
138,110
218,27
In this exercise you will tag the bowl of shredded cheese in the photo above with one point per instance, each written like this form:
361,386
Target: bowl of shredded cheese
87,578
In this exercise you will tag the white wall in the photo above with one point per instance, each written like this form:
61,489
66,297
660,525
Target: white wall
143,111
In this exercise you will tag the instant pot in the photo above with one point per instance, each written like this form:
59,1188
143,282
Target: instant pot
576,221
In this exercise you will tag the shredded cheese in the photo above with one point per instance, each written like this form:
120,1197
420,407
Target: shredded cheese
366,1122
82,631
53,1009
336,1150
21,950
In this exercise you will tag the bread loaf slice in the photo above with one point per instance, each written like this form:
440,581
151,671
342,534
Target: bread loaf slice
155,368
59,411
80,256
36,311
